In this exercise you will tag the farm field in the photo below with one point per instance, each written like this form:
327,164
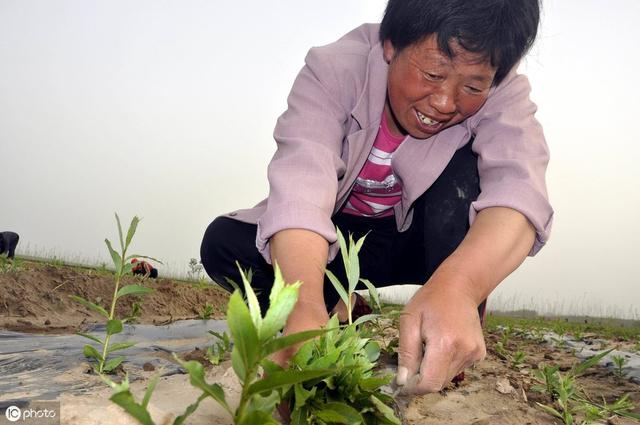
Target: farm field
34,301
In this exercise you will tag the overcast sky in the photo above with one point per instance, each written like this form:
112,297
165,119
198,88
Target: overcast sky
165,109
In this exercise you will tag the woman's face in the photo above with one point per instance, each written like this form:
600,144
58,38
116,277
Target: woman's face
428,91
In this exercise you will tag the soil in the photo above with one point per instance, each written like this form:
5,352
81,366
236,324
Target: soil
494,392
35,298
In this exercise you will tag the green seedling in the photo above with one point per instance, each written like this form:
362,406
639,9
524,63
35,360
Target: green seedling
619,363
352,269
206,312
113,324
134,314
517,359
218,351
255,338
568,399
352,395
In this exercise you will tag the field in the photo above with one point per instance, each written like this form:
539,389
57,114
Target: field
34,301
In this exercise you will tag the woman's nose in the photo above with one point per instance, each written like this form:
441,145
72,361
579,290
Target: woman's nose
444,100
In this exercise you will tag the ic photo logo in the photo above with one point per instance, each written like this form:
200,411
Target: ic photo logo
13,413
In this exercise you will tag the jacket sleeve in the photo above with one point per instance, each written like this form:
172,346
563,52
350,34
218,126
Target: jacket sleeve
512,156
303,174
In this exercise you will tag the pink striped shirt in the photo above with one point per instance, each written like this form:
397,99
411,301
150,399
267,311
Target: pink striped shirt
377,190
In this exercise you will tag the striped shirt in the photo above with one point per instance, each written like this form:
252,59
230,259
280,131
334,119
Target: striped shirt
377,190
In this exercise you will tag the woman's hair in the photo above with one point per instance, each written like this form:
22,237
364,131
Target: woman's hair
501,30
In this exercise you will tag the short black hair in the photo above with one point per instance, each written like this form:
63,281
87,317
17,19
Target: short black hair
501,30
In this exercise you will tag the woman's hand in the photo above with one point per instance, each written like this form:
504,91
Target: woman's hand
440,332
440,336
304,317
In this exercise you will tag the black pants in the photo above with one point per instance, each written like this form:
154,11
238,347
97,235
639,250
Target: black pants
388,257
8,243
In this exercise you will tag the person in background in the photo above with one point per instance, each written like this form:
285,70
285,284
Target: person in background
143,268
419,133
8,243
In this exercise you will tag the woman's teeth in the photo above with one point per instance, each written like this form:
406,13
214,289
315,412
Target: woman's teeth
426,120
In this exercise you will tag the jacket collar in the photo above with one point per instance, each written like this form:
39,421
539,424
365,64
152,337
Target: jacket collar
370,104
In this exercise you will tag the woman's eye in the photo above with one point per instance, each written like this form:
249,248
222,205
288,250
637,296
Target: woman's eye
431,76
472,89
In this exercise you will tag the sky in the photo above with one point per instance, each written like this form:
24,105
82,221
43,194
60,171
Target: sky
165,110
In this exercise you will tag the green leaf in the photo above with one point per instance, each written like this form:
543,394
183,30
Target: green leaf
149,391
343,251
385,410
278,344
372,351
299,416
119,346
91,337
114,326
354,266
302,395
629,415
338,286
282,300
550,410
132,231
127,269
115,257
133,290
367,317
125,400
256,417
375,382
89,351
238,365
90,305
146,257
252,300
113,363
122,249
264,404
285,378
339,413
373,293
243,331
591,361
189,411
196,377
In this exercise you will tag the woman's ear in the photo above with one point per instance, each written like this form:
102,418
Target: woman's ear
388,50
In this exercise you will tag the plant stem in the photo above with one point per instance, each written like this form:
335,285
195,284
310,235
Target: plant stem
244,399
113,309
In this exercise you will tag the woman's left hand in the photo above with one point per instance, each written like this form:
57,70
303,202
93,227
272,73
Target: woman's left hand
440,336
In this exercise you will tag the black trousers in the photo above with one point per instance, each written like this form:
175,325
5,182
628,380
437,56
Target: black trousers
8,243
388,257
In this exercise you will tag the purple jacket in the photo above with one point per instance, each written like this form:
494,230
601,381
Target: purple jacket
328,130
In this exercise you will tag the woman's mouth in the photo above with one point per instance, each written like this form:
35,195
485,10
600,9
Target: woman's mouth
428,124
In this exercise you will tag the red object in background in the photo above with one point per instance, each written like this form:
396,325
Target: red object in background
143,268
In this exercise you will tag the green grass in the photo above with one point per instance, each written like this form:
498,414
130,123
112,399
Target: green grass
627,330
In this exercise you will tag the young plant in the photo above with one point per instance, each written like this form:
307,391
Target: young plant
114,325
619,363
352,270
206,312
517,360
217,352
352,395
255,339
134,314
568,399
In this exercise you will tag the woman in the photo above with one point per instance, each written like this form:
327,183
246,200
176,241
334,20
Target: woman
420,132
